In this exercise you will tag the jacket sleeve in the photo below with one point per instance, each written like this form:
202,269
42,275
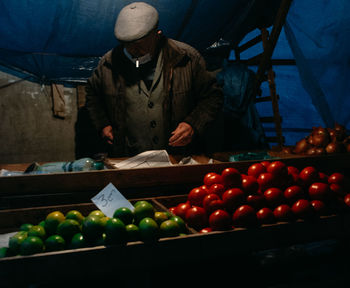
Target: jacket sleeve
208,96
95,103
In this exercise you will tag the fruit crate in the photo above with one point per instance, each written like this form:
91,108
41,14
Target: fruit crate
80,187
43,267
22,200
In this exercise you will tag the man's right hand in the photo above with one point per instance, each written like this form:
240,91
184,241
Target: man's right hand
107,133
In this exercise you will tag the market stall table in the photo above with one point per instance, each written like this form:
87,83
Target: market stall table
29,197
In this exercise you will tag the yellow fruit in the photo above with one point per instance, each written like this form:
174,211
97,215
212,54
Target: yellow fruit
75,215
52,221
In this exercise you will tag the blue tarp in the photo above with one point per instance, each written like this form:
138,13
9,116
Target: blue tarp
62,41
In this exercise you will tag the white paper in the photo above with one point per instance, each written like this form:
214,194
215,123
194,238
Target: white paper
110,199
148,159
4,239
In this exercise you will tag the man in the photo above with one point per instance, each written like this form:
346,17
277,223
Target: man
151,92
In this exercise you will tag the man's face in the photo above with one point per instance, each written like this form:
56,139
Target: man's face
143,46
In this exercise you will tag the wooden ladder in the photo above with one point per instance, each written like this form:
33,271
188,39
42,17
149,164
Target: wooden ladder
265,71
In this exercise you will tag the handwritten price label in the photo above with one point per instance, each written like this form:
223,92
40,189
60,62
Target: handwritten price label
110,199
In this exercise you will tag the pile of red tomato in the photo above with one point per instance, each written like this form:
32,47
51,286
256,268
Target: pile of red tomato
270,192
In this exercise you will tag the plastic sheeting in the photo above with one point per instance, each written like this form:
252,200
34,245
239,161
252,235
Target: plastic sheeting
62,41
320,41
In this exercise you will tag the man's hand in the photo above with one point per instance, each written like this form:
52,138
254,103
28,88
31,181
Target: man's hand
107,133
182,135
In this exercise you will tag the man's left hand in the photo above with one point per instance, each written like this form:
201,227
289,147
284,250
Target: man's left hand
182,135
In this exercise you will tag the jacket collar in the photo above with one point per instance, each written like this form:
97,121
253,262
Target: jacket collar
115,59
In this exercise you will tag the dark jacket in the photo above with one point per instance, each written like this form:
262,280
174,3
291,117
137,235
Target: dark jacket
192,95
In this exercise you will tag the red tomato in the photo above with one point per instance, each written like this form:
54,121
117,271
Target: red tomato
208,198
294,179
302,209
337,190
283,213
172,210
336,178
196,217
205,188
245,216
319,191
206,230
266,181
218,189
265,216
265,163
181,209
278,168
319,207
207,176
256,169
249,185
231,177
233,198
196,196
215,205
220,220
257,201
293,170
323,177
309,175
274,196
347,199
293,193
213,178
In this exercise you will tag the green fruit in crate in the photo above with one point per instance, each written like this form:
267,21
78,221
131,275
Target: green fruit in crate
42,223
54,243
78,241
133,232
38,231
169,228
25,227
115,231
68,228
160,217
149,229
137,203
75,215
92,228
124,214
97,213
52,221
180,222
143,210
31,245
100,241
15,242
4,252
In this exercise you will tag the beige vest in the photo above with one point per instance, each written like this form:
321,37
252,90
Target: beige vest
144,114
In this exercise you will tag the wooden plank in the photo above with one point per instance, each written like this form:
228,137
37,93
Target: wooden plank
262,99
81,95
47,267
58,101
79,187
248,44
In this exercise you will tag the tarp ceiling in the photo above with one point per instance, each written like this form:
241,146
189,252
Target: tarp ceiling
62,41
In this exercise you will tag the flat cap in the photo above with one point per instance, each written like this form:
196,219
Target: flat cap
135,21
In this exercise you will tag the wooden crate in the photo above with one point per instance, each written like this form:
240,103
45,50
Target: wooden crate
199,248
29,198
80,187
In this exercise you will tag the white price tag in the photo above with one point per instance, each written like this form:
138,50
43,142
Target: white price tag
110,199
